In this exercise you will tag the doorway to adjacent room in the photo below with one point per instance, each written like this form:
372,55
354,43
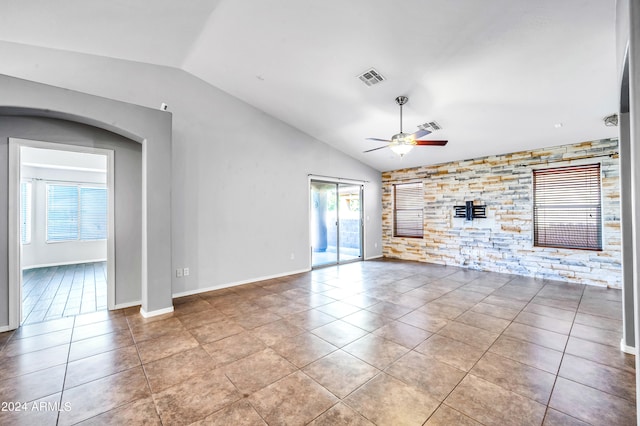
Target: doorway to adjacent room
63,224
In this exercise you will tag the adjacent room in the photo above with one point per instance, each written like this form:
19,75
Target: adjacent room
285,212
63,233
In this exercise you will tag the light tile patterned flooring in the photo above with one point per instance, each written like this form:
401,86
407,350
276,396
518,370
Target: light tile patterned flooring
376,342
61,291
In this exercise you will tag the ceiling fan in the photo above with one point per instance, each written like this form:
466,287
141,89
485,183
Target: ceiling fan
402,143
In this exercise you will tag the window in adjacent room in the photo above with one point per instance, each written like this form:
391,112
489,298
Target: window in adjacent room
93,213
25,212
407,210
567,210
76,212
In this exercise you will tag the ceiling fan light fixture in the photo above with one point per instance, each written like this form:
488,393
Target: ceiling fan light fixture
402,143
401,148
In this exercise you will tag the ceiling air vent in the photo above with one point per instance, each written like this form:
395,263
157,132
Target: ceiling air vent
431,126
371,77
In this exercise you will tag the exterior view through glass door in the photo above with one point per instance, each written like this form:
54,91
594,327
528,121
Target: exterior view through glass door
336,222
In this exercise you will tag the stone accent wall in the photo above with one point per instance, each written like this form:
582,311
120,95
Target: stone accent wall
503,242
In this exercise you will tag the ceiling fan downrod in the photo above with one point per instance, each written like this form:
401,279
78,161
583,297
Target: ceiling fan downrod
401,100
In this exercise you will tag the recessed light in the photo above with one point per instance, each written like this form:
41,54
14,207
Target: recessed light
557,125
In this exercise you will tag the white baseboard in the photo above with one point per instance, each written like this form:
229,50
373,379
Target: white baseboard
374,257
4,328
627,349
236,283
75,262
127,305
156,312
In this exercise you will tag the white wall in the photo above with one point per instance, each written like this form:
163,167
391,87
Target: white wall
40,253
239,177
628,54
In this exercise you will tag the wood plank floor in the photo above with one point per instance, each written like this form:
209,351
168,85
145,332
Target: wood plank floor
61,291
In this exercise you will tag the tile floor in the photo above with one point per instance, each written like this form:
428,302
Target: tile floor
377,342
61,291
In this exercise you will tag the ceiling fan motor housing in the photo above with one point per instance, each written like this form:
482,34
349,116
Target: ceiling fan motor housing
403,139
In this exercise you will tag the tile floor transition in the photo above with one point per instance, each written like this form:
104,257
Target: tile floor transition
376,342
60,291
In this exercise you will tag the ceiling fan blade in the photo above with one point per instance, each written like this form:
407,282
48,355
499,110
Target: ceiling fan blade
432,143
374,149
378,140
420,133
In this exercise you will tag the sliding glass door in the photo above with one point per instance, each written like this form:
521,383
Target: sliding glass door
336,223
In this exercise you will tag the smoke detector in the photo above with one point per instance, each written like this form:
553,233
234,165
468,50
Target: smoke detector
611,120
371,77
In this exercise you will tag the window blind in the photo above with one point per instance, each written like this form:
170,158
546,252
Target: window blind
408,207
25,212
567,207
93,213
76,213
62,212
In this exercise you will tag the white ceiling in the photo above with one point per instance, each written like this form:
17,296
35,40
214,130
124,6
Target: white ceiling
498,75
67,160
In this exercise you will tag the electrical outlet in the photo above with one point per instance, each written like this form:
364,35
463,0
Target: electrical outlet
375,245
179,272
185,272
293,256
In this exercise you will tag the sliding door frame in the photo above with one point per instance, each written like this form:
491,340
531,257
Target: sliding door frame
337,182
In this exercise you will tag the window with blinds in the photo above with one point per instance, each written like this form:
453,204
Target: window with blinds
93,213
62,213
76,213
408,206
567,209
25,212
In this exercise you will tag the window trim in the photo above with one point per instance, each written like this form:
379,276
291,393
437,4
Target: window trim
581,164
395,210
29,215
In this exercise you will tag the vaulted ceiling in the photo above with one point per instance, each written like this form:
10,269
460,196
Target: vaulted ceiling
499,76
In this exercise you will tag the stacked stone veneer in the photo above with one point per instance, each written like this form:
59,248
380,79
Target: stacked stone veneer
503,242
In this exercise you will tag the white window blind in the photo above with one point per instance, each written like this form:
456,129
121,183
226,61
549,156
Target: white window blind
62,212
76,213
93,213
25,212
567,207
408,208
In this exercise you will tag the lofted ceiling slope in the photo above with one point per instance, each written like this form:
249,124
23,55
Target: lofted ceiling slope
497,75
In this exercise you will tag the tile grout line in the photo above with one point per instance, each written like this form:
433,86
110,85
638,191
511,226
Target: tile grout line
66,369
501,334
587,359
562,359
370,333
144,371
467,373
